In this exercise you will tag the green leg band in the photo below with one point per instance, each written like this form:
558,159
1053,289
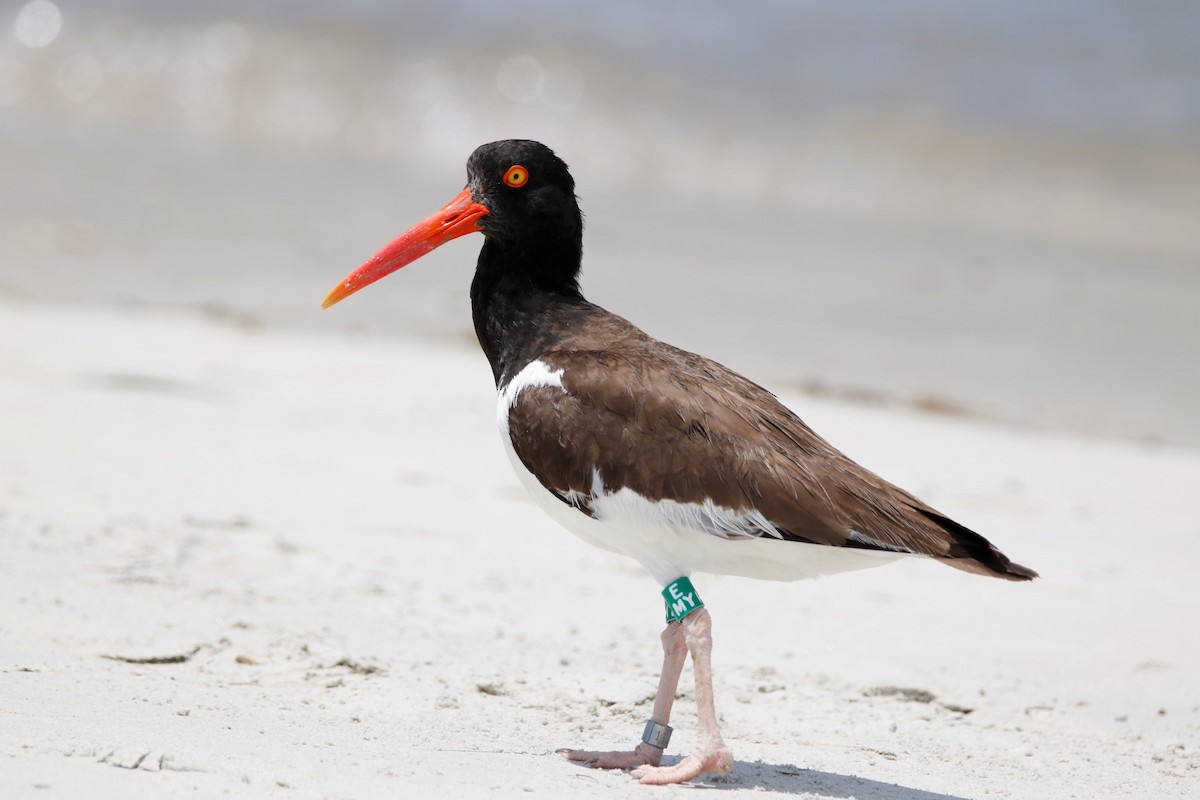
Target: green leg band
681,599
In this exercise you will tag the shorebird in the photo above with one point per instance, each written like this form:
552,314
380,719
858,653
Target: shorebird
651,451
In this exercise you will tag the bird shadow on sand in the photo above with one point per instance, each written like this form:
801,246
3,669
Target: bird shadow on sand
790,779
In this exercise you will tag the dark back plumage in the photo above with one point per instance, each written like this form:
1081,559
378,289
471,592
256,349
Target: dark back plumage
670,424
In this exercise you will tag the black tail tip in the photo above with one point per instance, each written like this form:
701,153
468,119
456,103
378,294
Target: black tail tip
973,553
1016,572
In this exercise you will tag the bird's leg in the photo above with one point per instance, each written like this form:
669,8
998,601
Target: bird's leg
711,754
675,650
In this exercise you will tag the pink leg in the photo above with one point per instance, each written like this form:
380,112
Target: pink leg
675,650
711,754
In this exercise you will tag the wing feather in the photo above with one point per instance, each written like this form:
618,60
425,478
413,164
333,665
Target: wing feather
672,425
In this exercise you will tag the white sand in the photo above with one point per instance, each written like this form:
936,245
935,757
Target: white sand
365,604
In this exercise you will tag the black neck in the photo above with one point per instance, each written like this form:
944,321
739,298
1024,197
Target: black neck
520,301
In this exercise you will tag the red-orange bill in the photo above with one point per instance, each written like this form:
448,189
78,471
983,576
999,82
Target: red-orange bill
458,217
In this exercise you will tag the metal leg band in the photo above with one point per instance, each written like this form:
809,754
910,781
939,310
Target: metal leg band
657,735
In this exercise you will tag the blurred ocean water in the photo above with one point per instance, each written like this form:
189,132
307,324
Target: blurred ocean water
988,208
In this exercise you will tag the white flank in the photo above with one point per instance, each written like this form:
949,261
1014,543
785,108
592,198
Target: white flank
671,539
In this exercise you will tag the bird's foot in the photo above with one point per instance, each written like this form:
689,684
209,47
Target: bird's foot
644,755
719,759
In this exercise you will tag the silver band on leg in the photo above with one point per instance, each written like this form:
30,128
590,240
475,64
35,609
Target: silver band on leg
657,735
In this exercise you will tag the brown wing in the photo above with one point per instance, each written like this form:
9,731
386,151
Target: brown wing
669,424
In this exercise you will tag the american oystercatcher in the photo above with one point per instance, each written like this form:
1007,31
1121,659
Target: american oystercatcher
651,451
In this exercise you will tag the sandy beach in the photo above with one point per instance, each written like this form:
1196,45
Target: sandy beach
272,564
249,548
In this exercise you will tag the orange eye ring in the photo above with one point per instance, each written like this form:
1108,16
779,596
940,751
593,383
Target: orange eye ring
516,176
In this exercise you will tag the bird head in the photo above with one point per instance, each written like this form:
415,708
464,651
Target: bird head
519,195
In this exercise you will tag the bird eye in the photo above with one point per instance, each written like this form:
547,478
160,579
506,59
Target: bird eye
516,176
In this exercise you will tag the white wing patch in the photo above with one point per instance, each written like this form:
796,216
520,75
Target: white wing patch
708,517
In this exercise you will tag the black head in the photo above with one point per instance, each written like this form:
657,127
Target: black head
533,221
522,198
